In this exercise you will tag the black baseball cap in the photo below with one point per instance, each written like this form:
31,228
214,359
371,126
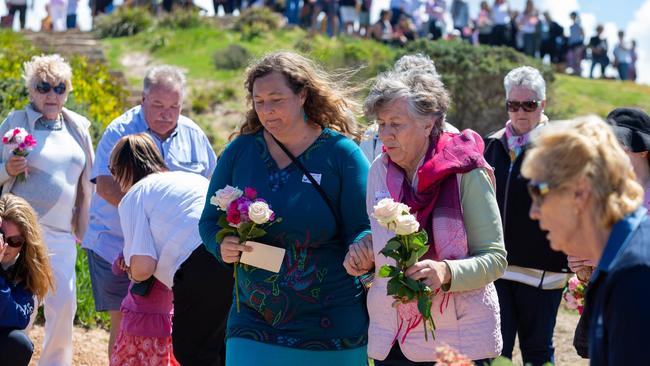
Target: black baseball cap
632,128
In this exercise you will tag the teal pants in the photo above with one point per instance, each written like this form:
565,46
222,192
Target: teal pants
246,352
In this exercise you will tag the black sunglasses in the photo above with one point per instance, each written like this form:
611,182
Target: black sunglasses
527,106
15,241
44,87
537,191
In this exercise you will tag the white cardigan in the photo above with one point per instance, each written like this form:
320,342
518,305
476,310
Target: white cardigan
78,126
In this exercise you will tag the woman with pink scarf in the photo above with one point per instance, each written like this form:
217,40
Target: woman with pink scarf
448,185
531,287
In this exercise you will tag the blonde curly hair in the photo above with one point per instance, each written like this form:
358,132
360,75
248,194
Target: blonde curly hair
585,147
50,68
329,99
33,264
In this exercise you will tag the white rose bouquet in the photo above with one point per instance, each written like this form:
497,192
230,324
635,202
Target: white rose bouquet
246,214
407,247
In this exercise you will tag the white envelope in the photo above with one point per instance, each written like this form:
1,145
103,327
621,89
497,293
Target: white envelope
263,256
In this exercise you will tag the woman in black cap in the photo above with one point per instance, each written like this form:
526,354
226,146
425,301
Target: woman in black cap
632,128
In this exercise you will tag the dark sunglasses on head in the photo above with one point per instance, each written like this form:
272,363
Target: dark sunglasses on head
537,191
44,87
15,241
527,106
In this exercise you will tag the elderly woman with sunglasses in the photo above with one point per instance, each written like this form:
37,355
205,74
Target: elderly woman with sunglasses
591,206
57,185
25,274
531,288
444,179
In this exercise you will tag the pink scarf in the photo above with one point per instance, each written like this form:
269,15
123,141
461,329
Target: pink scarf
516,143
447,156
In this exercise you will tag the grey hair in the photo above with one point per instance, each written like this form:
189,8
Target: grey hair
164,75
527,77
417,61
414,79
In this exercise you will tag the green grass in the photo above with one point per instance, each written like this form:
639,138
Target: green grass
576,96
86,315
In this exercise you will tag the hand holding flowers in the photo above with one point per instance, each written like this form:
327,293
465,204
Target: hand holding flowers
21,143
245,216
409,279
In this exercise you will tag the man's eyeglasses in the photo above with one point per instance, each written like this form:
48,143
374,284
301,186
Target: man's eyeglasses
527,106
15,241
44,87
537,191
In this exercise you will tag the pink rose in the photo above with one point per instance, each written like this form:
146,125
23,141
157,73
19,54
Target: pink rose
30,141
573,283
233,215
250,193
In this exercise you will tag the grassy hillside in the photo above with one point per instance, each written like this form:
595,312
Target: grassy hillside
578,96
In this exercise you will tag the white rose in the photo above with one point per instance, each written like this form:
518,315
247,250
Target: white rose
387,210
20,137
223,197
406,224
259,212
10,134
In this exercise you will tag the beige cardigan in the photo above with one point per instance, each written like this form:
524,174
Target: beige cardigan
78,126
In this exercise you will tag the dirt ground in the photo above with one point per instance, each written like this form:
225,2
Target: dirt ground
90,346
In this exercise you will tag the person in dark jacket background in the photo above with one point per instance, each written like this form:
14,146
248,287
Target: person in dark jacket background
591,206
25,274
531,288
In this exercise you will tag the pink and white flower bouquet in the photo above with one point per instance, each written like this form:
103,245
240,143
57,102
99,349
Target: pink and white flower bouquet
21,143
574,294
246,216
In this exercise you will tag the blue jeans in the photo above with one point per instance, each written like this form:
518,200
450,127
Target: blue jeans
529,312
292,11
622,70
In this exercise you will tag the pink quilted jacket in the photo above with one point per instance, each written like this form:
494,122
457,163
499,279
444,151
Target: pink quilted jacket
467,321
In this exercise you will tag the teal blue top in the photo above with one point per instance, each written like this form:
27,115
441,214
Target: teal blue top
312,303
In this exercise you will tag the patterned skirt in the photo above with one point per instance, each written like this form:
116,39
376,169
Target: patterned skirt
142,351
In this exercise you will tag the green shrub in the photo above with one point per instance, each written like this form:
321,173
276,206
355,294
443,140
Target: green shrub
253,22
474,77
233,57
206,99
13,52
181,19
125,21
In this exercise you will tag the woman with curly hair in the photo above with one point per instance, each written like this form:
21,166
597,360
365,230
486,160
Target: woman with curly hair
25,274
293,150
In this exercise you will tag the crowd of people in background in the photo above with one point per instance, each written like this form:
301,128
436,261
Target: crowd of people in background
530,30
